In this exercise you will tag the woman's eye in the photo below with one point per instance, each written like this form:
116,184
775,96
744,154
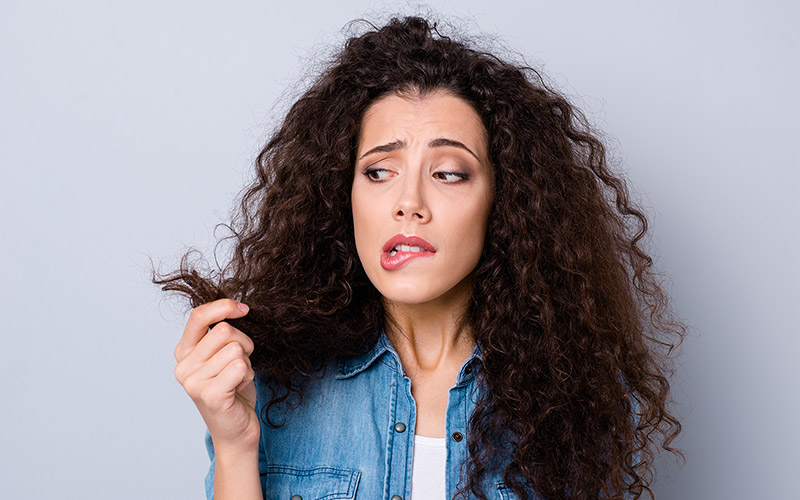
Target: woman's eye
377,174
451,177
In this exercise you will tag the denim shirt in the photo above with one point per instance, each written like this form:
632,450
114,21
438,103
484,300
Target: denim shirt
353,435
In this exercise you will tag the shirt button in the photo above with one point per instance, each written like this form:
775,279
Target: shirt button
457,436
468,369
397,497
399,427
296,497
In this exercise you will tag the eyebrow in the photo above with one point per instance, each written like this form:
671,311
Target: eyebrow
434,143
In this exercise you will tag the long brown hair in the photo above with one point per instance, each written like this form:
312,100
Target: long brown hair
573,324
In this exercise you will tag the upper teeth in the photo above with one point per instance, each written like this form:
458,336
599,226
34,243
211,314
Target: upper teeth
406,248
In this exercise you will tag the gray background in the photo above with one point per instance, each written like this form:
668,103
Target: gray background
128,129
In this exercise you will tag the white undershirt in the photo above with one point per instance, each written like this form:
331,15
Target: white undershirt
428,472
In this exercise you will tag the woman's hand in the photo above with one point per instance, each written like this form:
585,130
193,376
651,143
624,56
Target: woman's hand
214,368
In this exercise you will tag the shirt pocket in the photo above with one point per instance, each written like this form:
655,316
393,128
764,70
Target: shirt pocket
284,482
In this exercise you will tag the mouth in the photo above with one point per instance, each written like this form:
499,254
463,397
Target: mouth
401,242
401,248
405,248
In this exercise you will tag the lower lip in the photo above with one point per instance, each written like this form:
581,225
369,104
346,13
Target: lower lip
392,262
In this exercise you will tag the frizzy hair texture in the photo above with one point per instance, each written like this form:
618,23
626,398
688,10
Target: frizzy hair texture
573,325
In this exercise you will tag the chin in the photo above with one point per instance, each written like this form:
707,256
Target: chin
414,297
409,293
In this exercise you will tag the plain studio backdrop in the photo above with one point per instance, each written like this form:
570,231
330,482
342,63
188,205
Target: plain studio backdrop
127,129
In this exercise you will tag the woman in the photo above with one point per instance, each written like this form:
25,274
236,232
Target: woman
446,295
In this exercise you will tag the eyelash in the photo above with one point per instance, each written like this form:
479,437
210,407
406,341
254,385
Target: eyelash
462,177
368,173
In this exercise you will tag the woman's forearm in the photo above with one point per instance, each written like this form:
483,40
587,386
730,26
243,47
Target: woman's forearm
236,475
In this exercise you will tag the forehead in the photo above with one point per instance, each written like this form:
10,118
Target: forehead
413,118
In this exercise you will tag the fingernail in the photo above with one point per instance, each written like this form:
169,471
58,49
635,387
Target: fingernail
243,307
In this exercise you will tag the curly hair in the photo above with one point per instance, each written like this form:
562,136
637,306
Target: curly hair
574,327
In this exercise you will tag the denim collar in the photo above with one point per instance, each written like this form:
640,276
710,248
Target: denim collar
353,366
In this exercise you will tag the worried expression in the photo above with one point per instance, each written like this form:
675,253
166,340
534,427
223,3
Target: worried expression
421,196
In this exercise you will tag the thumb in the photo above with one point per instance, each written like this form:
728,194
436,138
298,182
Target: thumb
238,310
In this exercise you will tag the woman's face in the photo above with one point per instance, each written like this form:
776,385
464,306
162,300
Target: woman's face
421,196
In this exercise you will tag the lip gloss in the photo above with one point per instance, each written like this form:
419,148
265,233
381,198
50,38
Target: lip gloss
392,262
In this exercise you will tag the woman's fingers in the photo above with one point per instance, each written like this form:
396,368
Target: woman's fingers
202,317
215,340
248,379
215,381
233,374
213,367
218,393
223,333
213,363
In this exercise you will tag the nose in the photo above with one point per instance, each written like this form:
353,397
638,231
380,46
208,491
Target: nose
411,203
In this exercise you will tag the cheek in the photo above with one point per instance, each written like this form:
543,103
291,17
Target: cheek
471,232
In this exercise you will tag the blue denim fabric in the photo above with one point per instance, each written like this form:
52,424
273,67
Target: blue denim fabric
353,435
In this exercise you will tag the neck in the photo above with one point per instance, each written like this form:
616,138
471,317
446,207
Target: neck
430,337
